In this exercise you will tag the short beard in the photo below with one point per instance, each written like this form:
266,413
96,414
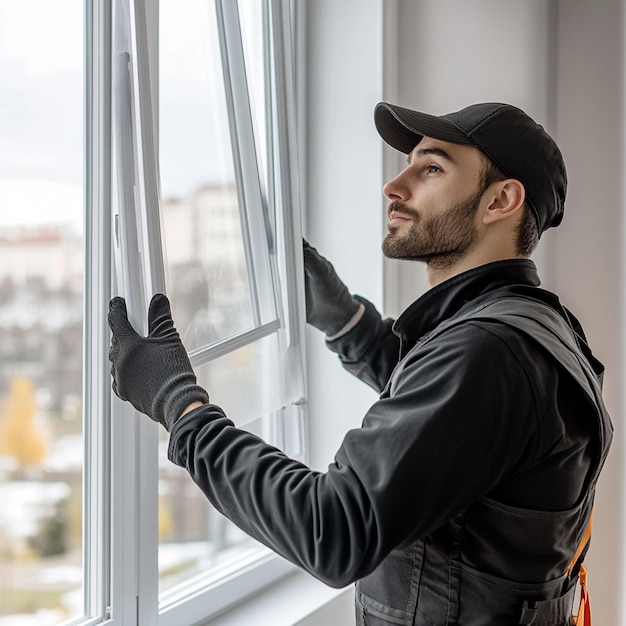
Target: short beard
439,241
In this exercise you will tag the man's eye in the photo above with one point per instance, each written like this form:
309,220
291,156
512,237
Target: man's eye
433,169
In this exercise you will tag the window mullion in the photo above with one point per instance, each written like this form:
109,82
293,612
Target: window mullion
287,201
287,195
124,577
96,385
143,30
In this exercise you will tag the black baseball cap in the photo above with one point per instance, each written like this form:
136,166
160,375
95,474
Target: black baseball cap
519,146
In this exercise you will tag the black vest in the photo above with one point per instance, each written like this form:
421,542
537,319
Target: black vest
438,580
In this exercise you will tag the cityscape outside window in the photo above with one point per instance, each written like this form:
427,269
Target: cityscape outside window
41,309
228,261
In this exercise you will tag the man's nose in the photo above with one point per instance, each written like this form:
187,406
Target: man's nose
397,189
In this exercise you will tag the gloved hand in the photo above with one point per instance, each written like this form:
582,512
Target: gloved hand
153,373
329,304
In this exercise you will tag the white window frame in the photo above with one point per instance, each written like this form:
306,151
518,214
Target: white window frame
121,476
96,377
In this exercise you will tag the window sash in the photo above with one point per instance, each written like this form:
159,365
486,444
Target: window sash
140,272
134,540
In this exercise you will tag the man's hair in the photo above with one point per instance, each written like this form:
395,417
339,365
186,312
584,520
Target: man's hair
527,231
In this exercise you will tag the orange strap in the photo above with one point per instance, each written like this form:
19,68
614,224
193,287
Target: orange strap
583,618
581,546
584,608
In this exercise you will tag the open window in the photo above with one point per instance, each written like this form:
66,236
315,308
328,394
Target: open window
178,177
205,209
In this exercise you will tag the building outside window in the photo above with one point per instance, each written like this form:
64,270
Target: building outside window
41,310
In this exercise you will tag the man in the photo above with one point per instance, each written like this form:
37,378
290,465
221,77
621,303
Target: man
466,496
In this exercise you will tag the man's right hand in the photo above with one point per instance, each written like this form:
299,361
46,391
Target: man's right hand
329,304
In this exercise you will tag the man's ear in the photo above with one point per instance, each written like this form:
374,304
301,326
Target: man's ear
505,200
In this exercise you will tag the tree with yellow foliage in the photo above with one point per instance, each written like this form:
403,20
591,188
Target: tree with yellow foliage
19,436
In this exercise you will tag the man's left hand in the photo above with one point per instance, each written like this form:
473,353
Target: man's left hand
153,373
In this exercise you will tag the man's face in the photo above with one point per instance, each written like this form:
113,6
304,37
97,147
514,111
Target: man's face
434,200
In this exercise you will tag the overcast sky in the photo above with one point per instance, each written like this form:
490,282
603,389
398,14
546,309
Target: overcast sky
41,106
40,109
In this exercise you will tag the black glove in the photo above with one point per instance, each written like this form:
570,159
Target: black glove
153,373
329,304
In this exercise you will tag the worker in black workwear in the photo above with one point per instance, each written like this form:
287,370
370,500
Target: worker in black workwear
466,495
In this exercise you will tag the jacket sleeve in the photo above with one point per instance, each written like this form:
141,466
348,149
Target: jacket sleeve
448,433
370,350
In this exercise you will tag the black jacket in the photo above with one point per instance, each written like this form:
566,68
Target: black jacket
479,412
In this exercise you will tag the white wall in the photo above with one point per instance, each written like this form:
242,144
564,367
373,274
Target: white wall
587,260
343,188
343,207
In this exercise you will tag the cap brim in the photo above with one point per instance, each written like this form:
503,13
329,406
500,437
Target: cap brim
403,128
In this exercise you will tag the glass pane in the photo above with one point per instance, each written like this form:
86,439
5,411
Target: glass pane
251,15
194,539
41,306
206,270
205,259
245,383
254,380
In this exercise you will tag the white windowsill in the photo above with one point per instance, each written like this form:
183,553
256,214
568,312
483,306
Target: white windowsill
297,600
